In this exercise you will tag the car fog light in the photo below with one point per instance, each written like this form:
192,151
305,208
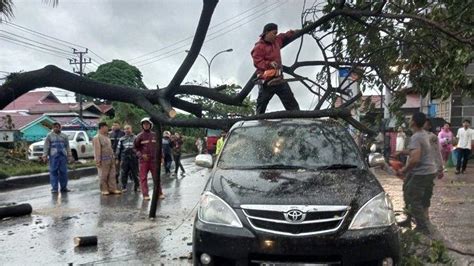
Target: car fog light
387,262
268,243
205,259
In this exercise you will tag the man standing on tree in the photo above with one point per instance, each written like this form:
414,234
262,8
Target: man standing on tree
127,159
465,138
56,146
104,160
145,145
115,136
267,59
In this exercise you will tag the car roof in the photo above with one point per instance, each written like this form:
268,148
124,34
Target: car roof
288,121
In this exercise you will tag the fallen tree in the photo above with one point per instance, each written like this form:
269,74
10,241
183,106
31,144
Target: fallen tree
364,36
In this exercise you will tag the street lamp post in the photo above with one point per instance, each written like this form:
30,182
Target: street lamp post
210,62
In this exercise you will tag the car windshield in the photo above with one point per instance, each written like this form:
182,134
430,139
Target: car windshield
290,146
70,134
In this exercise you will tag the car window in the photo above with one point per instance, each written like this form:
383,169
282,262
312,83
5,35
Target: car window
70,135
289,145
81,136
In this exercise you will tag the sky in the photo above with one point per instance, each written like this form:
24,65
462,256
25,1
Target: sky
152,35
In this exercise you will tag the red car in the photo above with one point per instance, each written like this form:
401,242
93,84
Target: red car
212,135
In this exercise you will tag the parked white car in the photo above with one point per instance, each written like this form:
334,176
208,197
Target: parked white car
79,142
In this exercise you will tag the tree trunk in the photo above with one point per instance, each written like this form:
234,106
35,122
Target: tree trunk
83,241
15,211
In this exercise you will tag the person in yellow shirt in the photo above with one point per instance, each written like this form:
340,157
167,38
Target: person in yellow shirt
220,142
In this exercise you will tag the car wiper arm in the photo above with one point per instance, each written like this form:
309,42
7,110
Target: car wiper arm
280,166
337,166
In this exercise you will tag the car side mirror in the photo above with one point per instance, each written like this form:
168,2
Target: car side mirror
376,160
204,160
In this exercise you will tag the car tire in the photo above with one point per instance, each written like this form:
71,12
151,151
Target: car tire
74,155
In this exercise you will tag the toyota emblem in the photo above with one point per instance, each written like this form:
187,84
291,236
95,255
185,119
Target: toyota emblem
295,216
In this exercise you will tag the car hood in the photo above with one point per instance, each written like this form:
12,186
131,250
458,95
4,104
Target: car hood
349,187
38,143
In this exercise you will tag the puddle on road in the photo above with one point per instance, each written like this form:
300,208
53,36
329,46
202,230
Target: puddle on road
56,211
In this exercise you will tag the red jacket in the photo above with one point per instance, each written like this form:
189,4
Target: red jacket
264,52
145,144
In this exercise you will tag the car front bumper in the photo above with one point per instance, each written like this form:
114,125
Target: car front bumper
242,246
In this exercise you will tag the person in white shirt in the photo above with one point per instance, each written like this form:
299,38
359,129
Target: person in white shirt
400,144
465,137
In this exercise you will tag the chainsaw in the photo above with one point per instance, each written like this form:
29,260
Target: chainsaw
273,77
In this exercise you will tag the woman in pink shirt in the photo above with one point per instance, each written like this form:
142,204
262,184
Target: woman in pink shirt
445,137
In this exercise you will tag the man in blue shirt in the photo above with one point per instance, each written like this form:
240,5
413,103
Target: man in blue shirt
56,149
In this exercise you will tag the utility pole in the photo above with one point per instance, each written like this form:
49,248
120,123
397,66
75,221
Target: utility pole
81,62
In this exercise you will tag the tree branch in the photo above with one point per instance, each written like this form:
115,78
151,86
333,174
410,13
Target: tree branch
51,76
199,36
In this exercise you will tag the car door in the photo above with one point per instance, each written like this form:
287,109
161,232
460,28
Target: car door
89,146
81,140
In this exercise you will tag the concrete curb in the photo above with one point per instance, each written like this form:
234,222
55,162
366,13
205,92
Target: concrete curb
24,181
16,182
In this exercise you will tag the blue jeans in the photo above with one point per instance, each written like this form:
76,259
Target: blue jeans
58,172
168,160
463,157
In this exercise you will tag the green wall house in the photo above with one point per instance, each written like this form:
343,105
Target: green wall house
37,129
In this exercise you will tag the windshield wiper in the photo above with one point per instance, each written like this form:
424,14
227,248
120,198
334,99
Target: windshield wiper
270,166
337,166
279,166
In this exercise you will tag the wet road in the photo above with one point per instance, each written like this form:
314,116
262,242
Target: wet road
125,234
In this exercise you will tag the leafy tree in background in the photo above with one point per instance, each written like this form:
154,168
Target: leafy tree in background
120,73
117,72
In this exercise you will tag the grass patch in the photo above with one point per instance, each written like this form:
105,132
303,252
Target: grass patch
32,167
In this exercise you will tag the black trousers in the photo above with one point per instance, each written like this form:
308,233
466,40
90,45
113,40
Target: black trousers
463,157
129,168
177,163
417,193
265,94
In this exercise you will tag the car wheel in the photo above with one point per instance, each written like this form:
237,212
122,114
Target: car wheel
74,155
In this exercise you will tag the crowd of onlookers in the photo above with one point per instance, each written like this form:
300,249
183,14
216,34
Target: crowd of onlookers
424,157
452,147
119,155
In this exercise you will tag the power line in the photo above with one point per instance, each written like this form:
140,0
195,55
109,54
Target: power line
105,61
215,37
245,22
35,41
263,12
50,38
42,35
34,45
192,36
39,50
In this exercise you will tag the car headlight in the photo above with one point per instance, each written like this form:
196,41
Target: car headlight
214,210
377,212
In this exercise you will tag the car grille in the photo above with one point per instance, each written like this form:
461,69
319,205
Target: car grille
38,148
310,219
